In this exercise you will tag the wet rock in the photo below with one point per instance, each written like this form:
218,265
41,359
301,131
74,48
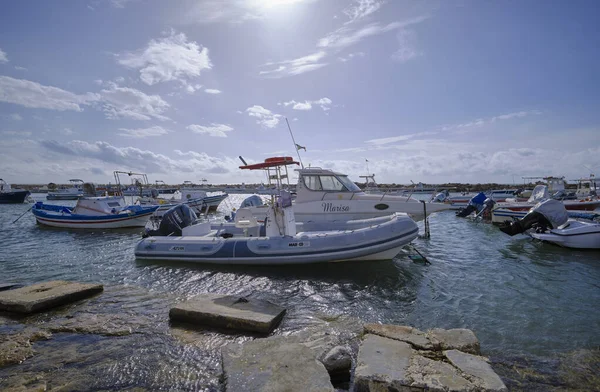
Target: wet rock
273,365
477,370
581,369
338,362
15,348
382,364
436,376
230,312
42,296
8,286
101,324
454,339
416,338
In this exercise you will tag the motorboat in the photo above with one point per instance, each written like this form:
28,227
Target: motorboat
325,195
549,221
8,195
500,195
106,212
514,209
273,242
72,193
196,199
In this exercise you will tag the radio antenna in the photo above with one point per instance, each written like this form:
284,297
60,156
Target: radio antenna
297,147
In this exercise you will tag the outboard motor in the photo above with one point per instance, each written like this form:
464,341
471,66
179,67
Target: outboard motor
488,206
475,204
154,193
173,221
548,214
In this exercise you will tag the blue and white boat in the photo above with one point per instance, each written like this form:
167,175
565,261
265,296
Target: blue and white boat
109,212
275,242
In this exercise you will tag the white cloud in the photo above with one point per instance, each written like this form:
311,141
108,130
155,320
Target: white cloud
20,68
324,103
16,117
34,95
170,58
347,36
406,49
3,57
215,130
143,132
295,66
361,8
121,3
66,131
350,56
124,102
265,117
212,91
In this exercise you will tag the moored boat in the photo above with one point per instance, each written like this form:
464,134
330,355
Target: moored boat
8,195
72,193
279,243
108,212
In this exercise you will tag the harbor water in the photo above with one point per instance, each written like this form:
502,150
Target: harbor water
525,300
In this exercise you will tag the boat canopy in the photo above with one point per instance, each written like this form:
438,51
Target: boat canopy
271,162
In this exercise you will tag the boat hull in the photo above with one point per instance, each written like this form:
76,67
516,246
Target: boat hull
77,221
578,235
14,197
380,242
502,213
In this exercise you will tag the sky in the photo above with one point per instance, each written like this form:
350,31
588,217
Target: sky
429,91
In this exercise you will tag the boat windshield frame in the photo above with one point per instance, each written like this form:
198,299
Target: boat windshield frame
344,181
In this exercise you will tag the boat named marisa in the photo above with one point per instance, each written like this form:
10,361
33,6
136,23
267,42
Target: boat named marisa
108,212
274,242
326,195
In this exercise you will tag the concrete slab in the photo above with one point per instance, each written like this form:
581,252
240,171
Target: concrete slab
42,296
477,370
230,312
416,338
454,339
271,365
382,365
436,376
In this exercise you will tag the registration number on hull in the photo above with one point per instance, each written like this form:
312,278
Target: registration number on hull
303,244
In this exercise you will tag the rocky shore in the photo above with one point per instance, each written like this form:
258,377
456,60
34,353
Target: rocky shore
95,344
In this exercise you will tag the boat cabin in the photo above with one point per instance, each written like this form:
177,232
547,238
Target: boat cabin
316,183
587,187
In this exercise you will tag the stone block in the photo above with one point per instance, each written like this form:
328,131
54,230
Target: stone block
416,338
42,296
477,370
273,365
230,312
382,364
455,339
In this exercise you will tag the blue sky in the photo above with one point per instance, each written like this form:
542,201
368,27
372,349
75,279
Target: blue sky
431,91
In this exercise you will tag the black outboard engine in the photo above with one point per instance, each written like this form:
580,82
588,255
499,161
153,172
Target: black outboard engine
475,204
486,210
548,214
173,221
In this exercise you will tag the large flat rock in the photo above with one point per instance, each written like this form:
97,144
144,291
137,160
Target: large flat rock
436,376
271,365
382,364
416,338
477,370
454,339
42,296
230,312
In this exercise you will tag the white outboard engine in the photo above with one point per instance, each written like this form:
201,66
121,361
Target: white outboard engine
488,206
173,221
440,197
475,204
547,214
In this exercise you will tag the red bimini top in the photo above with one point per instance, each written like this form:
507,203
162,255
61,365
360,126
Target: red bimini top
271,162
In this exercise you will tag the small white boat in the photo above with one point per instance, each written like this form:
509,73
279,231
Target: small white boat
549,221
196,199
280,244
108,212
72,193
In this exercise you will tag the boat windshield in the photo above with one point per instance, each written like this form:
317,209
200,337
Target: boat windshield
349,184
329,183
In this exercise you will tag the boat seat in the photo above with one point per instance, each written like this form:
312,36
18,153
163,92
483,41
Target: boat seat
244,219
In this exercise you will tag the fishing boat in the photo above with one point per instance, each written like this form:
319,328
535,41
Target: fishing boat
276,241
107,212
9,195
72,193
325,195
549,221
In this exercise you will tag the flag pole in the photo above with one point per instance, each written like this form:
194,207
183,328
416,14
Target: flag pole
295,145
